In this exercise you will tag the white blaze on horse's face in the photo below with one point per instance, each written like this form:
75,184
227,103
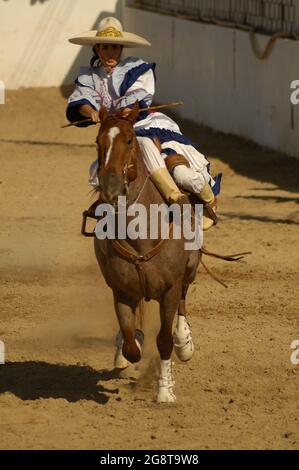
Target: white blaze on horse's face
113,132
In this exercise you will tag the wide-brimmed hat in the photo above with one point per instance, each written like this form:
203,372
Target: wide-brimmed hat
110,31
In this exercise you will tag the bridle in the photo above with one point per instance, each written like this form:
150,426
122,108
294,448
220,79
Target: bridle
129,171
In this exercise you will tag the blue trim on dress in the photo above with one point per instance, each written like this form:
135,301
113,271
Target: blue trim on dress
133,75
143,115
217,186
164,135
73,113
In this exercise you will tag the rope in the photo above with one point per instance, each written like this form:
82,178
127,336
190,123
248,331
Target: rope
236,257
229,24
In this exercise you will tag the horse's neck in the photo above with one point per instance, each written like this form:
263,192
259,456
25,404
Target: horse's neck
144,192
143,188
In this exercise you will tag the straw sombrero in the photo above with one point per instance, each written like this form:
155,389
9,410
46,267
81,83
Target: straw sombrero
110,31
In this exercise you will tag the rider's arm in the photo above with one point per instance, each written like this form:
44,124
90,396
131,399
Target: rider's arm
88,111
83,102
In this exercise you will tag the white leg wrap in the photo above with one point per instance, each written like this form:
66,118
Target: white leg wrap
166,383
151,155
182,339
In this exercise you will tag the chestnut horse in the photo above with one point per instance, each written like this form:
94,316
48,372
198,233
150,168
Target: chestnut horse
161,270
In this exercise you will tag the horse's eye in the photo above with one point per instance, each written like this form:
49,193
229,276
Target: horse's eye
130,141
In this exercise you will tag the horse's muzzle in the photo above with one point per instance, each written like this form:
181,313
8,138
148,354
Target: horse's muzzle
113,186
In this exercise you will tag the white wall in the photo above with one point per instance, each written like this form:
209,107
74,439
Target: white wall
214,71
34,51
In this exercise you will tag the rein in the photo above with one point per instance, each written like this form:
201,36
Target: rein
138,260
230,258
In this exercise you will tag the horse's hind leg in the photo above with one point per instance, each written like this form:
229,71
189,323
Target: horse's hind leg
183,343
168,308
125,310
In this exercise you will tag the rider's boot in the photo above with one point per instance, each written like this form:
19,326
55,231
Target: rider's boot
209,201
167,187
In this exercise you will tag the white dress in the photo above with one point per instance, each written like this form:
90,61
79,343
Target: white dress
134,79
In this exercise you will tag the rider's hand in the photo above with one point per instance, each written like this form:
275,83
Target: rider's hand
125,112
94,116
87,111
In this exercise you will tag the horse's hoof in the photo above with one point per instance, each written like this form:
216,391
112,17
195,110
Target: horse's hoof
185,352
182,339
166,395
166,383
120,362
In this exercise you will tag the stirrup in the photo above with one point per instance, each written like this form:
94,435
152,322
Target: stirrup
209,208
89,213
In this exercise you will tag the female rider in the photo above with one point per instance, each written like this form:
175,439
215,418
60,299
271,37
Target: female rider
117,84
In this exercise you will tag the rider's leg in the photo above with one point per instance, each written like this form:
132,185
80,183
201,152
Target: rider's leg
158,172
198,184
195,179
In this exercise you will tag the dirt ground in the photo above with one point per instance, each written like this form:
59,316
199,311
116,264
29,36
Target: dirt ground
58,389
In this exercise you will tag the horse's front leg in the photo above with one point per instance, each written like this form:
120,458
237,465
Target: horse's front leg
182,337
168,308
125,309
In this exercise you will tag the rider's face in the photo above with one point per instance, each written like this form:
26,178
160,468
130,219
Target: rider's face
109,54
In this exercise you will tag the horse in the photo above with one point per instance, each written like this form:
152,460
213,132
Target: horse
138,269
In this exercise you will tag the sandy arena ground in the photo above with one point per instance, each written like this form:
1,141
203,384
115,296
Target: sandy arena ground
58,389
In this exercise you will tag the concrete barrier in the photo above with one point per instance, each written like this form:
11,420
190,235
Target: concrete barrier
223,85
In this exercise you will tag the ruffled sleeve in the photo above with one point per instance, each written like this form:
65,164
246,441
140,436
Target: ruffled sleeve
84,93
138,84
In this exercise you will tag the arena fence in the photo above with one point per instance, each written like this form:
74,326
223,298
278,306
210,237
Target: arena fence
268,16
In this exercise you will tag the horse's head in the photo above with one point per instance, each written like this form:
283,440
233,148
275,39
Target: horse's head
117,154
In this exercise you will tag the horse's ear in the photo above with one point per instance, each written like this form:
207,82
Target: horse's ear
134,113
103,113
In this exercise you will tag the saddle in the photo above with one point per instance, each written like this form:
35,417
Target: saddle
171,161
